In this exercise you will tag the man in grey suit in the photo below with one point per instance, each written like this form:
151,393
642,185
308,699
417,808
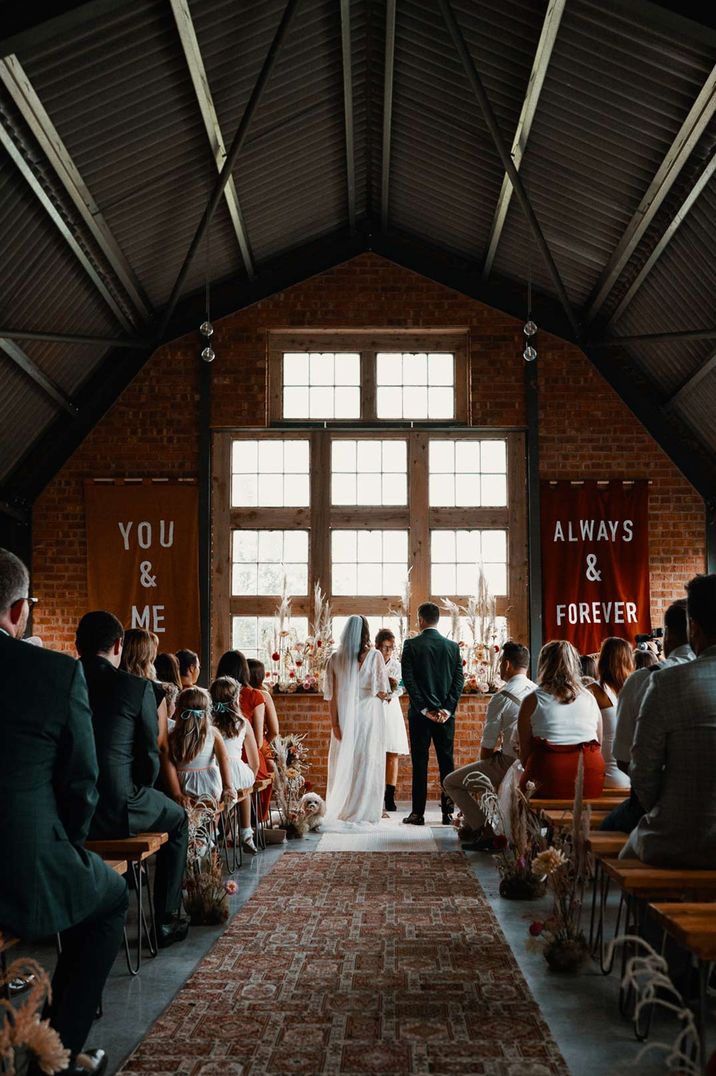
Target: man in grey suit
433,677
48,773
674,751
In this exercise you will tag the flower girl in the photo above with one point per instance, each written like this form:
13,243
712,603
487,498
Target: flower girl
198,750
239,740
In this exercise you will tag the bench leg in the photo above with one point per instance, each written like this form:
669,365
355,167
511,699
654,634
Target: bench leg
149,931
606,964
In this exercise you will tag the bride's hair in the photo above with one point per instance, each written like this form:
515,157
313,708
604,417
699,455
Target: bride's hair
364,637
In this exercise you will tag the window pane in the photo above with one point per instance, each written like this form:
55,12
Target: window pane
389,368
442,490
494,456
361,477
395,547
442,457
274,553
457,557
467,491
395,454
370,545
443,579
297,578
389,402
296,491
296,454
253,635
321,366
415,402
496,576
369,456
369,579
270,457
347,371
343,545
415,369
467,545
347,403
395,489
320,404
494,489
295,368
245,457
246,546
244,489
343,455
441,403
295,402
271,546
467,457
344,578
244,579
442,545
467,578
441,369
343,489
494,545
377,565
270,579
369,489
295,546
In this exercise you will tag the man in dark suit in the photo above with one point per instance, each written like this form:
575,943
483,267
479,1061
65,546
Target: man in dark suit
433,677
124,716
48,774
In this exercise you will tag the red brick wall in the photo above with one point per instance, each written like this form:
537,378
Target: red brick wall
152,429
309,714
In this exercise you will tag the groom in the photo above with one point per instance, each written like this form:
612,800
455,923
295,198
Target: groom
433,677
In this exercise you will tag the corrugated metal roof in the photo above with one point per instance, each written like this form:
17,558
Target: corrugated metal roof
26,414
618,87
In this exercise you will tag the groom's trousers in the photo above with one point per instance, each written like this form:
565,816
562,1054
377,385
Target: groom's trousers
423,731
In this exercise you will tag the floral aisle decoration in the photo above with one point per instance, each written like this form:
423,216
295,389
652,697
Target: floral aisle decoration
207,894
290,759
23,1035
298,665
518,838
481,650
564,866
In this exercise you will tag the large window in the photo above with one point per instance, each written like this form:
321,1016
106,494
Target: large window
444,506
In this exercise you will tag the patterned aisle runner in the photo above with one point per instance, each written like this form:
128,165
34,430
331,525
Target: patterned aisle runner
390,835
351,963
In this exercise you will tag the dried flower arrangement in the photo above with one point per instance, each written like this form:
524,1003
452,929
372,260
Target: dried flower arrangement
565,867
518,838
207,893
402,614
295,665
481,653
290,757
22,1032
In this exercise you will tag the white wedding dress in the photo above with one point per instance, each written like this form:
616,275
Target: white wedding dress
356,762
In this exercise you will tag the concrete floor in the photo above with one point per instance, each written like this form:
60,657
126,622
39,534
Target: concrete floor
580,1010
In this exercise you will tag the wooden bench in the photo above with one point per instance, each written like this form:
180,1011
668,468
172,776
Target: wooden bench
601,846
259,787
563,819
693,926
134,852
604,802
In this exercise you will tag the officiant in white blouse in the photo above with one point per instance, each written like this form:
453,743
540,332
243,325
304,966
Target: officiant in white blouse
396,738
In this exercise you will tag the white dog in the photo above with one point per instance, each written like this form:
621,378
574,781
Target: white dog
311,809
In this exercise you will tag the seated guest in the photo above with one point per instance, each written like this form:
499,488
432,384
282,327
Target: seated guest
138,651
497,752
559,722
614,666
253,706
166,667
124,717
199,751
189,667
171,693
676,652
48,775
645,659
257,680
240,741
589,669
674,750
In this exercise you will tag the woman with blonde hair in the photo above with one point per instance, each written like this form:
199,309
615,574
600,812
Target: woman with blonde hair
138,653
559,723
615,664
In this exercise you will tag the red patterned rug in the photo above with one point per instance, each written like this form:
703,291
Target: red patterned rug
358,963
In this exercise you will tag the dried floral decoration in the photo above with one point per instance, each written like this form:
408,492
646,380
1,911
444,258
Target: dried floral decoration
22,1029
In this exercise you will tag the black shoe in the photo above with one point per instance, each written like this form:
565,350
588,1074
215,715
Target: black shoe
414,819
390,804
483,844
95,1064
169,933
447,819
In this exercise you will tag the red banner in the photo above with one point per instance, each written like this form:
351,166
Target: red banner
595,562
143,557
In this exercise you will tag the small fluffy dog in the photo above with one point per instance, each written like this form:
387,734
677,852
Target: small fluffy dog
311,809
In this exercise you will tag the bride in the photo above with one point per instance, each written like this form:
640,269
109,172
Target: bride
357,687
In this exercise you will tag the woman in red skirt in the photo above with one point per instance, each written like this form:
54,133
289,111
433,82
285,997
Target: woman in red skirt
559,723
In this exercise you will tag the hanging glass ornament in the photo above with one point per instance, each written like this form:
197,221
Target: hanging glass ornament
529,354
206,329
530,328
208,354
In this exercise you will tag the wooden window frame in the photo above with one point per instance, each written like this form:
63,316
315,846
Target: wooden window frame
321,517
367,344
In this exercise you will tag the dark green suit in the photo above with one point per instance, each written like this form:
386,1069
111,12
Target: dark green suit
49,883
124,716
433,677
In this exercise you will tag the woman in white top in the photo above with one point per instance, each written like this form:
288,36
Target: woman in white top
559,722
616,662
396,738
241,747
357,687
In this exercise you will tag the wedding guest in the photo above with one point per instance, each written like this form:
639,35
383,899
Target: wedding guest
48,774
257,679
124,718
171,693
674,750
189,667
645,659
559,722
396,738
589,669
239,740
498,751
253,706
167,669
138,653
615,664
199,751
677,651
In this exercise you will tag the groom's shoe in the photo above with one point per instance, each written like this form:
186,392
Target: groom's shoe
447,819
414,819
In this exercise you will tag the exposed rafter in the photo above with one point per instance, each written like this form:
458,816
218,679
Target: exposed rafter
388,72
33,371
30,107
200,82
654,338
690,132
507,163
666,238
691,382
231,157
72,338
346,56
550,26
67,234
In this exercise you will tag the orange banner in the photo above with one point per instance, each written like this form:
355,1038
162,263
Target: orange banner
143,558
595,562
